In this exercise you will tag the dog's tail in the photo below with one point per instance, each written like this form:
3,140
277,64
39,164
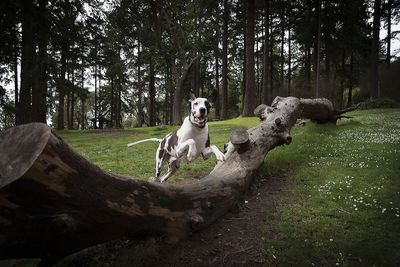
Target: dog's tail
145,140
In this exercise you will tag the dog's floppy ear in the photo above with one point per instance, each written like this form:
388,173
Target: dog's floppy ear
192,96
212,97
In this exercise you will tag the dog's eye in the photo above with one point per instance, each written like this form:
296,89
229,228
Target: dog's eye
195,104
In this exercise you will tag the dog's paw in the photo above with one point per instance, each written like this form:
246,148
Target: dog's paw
191,156
154,179
220,156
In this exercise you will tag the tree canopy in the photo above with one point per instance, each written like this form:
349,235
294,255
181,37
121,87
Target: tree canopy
127,63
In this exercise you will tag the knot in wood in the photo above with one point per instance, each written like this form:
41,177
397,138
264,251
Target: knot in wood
239,137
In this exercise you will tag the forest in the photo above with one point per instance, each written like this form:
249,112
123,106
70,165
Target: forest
80,64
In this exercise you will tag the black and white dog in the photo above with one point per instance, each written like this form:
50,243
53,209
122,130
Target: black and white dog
188,142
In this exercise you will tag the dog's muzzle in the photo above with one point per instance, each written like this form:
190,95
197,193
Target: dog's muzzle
200,120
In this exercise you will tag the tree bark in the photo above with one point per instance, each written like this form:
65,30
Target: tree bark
72,109
318,47
217,102
349,98
264,90
15,66
224,102
375,51
61,88
95,96
139,103
119,102
24,108
83,124
271,63
250,100
342,78
39,90
389,31
112,111
68,106
308,66
55,202
289,61
152,93
197,82
282,29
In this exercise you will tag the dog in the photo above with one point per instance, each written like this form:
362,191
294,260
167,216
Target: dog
188,142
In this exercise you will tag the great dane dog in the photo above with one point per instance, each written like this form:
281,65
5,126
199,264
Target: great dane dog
188,142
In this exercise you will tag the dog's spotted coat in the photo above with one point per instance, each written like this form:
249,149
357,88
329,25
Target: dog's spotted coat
188,142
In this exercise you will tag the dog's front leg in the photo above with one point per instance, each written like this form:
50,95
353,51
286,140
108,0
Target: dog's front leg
189,146
213,149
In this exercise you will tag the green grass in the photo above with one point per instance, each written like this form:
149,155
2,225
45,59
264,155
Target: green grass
343,207
110,151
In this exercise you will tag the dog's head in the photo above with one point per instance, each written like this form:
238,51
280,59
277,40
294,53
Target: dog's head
200,108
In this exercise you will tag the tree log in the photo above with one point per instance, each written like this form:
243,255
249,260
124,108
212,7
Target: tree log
54,202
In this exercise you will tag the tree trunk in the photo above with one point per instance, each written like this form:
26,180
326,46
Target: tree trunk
95,96
112,113
250,100
83,124
118,113
68,106
35,89
244,72
271,63
24,114
16,90
196,82
308,66
318,47
282,72
257,70
176,106
349,99
374,83
342,78
152,93
217,102
61,88
139,103
224,102
289,62
81,204
39,90
72,110
264,90
389,31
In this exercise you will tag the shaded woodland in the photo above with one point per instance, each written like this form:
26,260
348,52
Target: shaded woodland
91,64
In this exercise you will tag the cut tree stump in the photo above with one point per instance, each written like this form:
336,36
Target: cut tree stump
54,202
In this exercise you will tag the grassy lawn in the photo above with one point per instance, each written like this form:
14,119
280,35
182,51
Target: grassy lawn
109,151
343,207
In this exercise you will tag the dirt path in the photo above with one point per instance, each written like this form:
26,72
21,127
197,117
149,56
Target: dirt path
235,239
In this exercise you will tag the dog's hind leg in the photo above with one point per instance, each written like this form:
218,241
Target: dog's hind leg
172,168
160,159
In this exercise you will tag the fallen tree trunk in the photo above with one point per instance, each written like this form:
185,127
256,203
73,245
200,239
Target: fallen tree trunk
54,202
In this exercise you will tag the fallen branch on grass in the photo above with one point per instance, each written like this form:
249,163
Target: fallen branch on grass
54,202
